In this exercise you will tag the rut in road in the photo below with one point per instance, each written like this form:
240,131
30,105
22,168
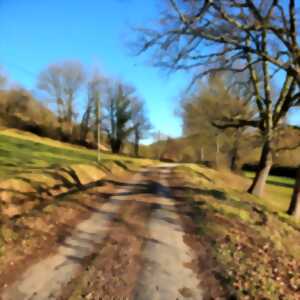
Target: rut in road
164,273
46,279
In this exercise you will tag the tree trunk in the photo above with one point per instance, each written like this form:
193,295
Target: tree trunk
202,154
136,149
115,145
234,160
258,185
98,125
136,142
294,208
217,151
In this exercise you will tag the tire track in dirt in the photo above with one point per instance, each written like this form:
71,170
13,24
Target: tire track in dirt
45,279
165,273
114,271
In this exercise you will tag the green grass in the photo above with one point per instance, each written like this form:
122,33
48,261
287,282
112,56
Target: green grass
278,192
28,153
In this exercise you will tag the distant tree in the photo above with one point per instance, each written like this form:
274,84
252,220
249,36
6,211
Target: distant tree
17,102
73,77
171,150
49,81
141,124
201,112
19,109
96,87
62,82
86,120
117,112
91,116
159,144
3,79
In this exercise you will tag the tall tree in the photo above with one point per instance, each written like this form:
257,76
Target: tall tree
61,82
72,76
91,119
256,38
141,124
294,208
201,113
49,81
159,145
85,124
292,142
118,115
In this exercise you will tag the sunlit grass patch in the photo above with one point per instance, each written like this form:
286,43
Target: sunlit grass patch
29,153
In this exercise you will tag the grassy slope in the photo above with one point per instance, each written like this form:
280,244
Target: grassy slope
40,184
256,250
22,152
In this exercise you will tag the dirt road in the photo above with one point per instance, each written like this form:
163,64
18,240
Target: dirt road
137,243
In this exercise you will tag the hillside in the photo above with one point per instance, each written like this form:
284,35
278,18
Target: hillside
47,188
32,165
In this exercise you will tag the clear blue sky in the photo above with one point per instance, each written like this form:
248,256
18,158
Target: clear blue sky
35,33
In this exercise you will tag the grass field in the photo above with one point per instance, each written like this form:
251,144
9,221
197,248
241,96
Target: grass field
278,192
22,152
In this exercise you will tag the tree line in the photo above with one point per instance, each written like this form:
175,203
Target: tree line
255,45
88,108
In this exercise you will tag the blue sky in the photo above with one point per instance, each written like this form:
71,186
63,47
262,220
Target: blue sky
35,33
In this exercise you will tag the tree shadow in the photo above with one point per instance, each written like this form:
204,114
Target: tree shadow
280,184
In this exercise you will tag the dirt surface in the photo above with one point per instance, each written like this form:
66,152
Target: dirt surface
137,245
165,273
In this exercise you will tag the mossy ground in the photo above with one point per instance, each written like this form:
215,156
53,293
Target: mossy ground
254,243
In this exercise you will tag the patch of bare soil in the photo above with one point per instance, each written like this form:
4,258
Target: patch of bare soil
114,271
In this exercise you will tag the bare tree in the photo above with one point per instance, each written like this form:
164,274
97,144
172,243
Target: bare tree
141,124
257,40
72,77
49,81
61,82
159,145
86,120
201,112
91,119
